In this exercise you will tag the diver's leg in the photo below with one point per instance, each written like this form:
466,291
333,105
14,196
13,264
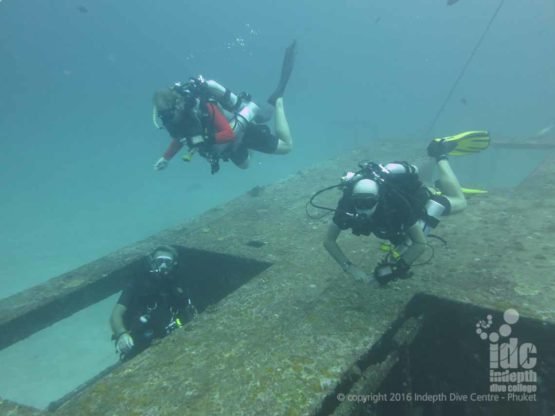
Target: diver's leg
285,143
241,157
246,163
426,172
450,186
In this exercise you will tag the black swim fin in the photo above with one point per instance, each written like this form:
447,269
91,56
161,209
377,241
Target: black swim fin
286,69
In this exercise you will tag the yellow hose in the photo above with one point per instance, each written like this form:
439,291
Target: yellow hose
189,155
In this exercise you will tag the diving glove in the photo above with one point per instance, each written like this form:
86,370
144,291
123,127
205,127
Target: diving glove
161,163
124,343
386,271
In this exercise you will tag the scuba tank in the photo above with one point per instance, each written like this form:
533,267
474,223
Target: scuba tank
242,119
243,108
434,210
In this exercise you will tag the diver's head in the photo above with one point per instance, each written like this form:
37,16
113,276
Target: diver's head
166,103
365,196
163,261
174,107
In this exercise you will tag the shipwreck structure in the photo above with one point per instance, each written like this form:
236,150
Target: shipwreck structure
284,332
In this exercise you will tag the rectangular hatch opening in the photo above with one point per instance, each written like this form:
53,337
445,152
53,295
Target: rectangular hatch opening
60,348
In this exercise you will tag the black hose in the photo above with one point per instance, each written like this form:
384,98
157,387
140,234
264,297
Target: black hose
311,202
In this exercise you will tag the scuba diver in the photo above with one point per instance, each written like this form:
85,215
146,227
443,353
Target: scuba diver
220,125
151,306
391,202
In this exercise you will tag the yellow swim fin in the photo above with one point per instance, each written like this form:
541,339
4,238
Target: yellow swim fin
460,144
471,192
436,190
467,143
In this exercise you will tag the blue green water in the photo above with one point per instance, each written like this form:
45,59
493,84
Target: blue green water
76,178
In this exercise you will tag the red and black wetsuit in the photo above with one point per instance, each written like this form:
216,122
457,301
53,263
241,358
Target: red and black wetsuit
223,132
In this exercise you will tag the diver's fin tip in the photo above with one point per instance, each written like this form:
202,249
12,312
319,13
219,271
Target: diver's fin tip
467,142
286,69
470,191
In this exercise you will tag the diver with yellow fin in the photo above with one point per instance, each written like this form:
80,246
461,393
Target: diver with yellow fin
390,201
461,144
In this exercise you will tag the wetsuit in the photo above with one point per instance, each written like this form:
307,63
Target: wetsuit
152,306
222,141
219,126
257,137
401,204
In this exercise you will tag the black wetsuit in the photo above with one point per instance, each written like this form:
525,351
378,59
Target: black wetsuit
402,203
257,137
153,304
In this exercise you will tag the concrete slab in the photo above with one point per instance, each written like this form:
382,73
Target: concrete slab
294,336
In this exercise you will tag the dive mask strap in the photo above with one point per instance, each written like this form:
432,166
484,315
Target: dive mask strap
155,119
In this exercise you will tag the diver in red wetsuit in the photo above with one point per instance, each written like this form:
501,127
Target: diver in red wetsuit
220,125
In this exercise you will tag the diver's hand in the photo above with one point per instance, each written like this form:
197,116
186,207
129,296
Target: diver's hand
124,343
357,273
162,163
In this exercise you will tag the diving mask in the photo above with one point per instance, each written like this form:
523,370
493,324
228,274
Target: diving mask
162,265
